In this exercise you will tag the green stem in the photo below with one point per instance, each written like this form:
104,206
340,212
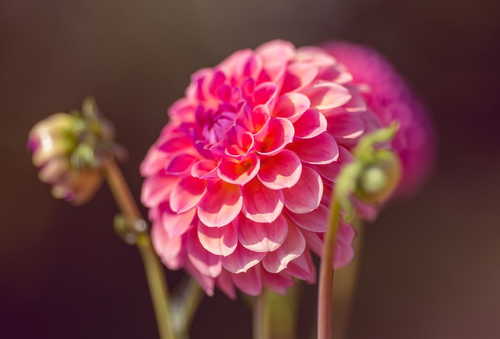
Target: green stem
261,323
326,274
152,265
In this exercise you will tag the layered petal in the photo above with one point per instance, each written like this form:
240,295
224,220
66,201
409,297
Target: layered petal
262,237
305,195
221,204
260,203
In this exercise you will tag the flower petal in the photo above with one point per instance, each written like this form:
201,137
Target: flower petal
206,282
249,282
265,93
291,106
303,268
241,259
187,194
262,237
277,282
261,204
221,204
225,283
274,136
168,249
282,170
327,95
316,221
305,196
330,171
319,150
205,262
176,224
180,164
345,125
239,172
218,240
312,123
313,241
291,249
298,76
157,189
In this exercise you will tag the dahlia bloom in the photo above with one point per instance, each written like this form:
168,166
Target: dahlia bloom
389,99
70,150
238,183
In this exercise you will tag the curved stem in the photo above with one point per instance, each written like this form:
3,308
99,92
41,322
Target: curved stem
326,274
261,325
152,265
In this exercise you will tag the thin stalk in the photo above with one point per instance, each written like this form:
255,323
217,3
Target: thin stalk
261,323
326,274
154,272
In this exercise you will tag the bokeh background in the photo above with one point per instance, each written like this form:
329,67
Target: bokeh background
430,267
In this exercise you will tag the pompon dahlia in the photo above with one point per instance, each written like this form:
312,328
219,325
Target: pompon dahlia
390,99
239,181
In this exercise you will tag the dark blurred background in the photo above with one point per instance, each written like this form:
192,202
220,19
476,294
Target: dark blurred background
430,268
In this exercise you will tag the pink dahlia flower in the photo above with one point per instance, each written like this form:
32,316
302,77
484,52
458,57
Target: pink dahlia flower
239,181
390,99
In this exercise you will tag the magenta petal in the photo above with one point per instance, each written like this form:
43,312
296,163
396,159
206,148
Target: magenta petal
154,161
345,125
291,106
218,240
280,171
205,169
180,164
157,189
221,204
274,136
305,195
241,260
313,241
312,123
175,144
277,282
225,283
298,76
319,150
316,221
249,282
261,204
330,171
205,262
187,194
327,95
176,224
276,51
239,172
265,93
168,249
303,268
262,237
291,249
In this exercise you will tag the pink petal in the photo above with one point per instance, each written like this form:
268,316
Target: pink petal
345,125
260,237
276,51
218,240
312,123
298,76
180,164
205,169
303,268
157,189
277,282
330,171
206,282
291,106
327,95
154,161
316,221
304,196
319,150
205,262
168,249
274,136
291,249
241,260
253,118
187,194
221,204
280,171
174,145
176,224
313,241
225,283
261,204
264,93
239,172
249,282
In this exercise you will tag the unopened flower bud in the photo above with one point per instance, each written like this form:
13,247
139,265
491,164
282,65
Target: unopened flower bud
71,150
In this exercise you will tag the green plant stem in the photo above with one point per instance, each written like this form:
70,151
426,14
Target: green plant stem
154,271
261,323
326,274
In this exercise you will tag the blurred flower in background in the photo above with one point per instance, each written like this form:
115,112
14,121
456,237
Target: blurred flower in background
239,181
71,150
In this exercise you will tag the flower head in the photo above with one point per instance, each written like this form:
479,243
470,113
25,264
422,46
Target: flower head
71,150
389,99
239,181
